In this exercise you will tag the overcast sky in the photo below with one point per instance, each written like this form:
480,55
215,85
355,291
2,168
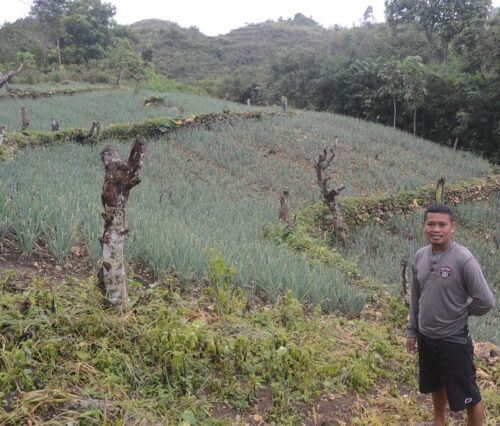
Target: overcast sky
215,17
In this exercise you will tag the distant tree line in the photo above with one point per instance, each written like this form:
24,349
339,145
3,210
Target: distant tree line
434,73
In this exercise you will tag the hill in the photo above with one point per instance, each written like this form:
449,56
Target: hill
185,53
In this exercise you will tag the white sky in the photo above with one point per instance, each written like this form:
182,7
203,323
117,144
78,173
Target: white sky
215,17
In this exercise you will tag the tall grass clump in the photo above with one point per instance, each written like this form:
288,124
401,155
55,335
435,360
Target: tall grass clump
5,219
60,229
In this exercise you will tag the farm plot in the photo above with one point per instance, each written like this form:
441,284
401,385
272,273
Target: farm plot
205,190
107,107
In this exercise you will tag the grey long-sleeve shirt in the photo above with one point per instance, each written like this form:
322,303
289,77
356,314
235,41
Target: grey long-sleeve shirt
446,289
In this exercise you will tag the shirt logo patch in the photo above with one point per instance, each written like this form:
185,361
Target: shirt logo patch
445,271
468,400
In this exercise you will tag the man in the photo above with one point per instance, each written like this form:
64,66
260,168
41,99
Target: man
448,286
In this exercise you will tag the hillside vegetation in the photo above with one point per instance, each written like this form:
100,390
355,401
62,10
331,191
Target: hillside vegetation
185,53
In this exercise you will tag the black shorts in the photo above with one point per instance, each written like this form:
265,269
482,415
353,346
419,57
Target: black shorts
448,364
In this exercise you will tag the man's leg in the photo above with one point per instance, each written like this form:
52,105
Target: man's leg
439,400
475,414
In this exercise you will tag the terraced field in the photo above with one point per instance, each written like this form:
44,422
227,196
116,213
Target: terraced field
209,196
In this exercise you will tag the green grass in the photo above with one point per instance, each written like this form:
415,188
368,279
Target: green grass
49,87
174,356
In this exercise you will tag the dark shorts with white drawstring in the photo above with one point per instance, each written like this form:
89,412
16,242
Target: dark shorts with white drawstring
448,364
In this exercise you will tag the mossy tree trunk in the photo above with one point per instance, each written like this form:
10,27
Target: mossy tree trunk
120,177
440,194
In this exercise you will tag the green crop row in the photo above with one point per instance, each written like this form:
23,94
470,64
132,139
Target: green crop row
109,107
48,92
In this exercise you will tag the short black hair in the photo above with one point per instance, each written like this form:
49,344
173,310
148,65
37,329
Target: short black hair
439,208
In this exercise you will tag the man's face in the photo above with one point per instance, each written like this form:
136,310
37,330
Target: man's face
438,229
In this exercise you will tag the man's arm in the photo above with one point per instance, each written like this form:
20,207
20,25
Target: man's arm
477,289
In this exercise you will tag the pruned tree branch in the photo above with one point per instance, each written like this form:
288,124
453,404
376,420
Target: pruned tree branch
91,138
330,195
5,77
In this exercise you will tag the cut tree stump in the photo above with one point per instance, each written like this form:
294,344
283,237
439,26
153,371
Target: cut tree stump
120,177
284,213
330,196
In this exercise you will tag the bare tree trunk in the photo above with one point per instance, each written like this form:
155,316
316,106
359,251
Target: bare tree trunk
24,118
395,111
120,78
330,196
90,138
284,103
455,144
415,122
406,290
5,77
120,177
58,44
284,214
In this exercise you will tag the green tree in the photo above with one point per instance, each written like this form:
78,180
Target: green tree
125,59
444,18
51,12
297,75
87,30
368,15
392,83
354,90
414,84
24,35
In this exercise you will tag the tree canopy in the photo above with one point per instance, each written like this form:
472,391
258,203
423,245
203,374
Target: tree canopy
443,18
81,28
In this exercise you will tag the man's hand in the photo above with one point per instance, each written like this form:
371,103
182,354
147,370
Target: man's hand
411,345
